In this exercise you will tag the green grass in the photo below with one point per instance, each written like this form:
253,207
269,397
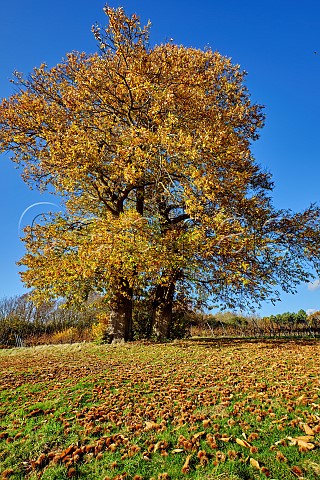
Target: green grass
183,410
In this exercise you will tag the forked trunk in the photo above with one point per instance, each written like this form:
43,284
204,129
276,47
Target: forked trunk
162,311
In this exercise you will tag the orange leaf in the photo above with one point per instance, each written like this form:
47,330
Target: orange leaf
185,468
302,444
300,400
307,429
265,471
297,471
151,426
305,446
305,438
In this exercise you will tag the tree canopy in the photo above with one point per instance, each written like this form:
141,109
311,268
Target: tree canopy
150,150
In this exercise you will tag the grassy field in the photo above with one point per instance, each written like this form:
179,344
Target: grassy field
186,410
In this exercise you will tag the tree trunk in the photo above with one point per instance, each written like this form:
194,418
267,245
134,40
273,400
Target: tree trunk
120,327
162,311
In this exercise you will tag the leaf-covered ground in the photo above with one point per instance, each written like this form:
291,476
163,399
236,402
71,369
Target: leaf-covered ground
186,410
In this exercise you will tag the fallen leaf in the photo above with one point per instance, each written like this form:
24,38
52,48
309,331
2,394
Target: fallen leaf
35,413
280,457
254,463
71,472
307,429
305,438
301,443
185,469
199,434
151,426
7,473
157,445
243,443
300,399
67,451
297,471
266,471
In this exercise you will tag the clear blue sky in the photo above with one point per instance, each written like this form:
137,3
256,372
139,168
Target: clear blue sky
274,41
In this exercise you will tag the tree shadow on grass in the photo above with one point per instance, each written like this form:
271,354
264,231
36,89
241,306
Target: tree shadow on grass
263,342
